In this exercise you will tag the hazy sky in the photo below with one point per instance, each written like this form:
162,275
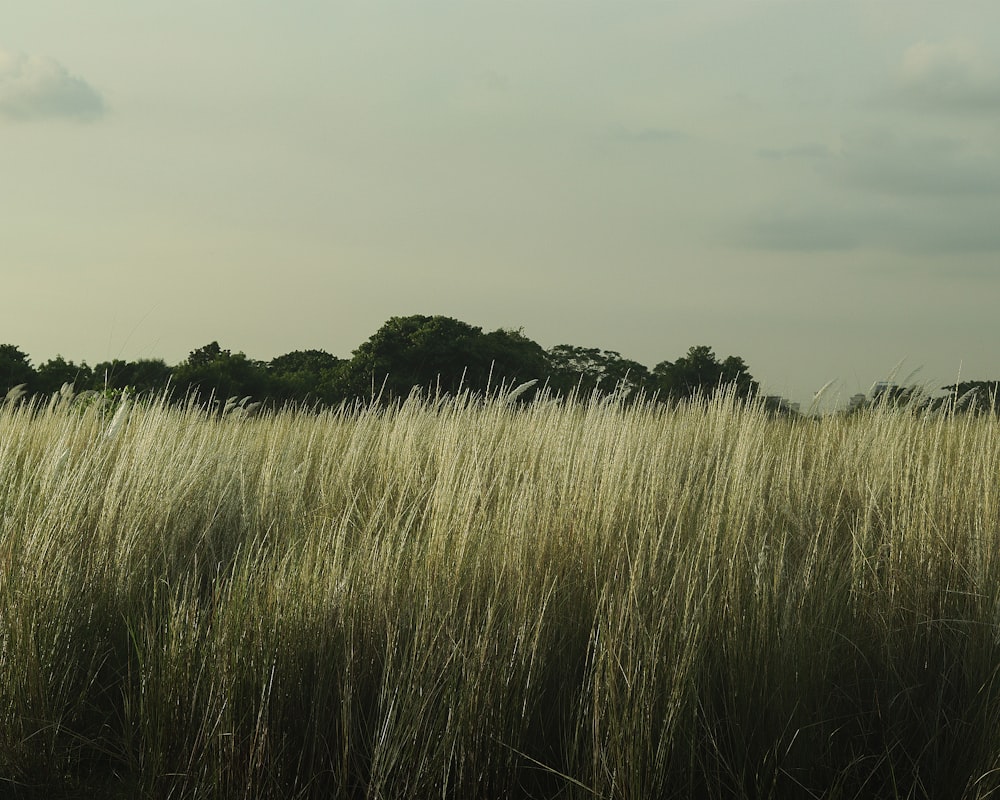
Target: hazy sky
811,185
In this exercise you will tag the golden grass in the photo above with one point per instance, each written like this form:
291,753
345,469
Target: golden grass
468,598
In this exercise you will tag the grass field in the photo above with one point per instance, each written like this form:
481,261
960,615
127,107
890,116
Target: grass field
469,599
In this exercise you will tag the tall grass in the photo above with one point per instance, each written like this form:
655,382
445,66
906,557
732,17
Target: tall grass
465,598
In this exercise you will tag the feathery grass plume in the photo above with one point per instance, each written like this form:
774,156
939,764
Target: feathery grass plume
118,420
87,397
966,397
518,390
15,393
819,394
233,404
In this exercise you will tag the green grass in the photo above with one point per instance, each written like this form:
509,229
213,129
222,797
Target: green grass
470,599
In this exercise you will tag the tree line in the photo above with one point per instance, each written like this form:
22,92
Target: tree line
965,397
435,354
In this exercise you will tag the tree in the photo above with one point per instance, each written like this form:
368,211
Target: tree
150,376
210,370
15,369
886,394
306,374
512,357
889,394
588,369
54,373
736,373
206,355
700,373
975,397
439,353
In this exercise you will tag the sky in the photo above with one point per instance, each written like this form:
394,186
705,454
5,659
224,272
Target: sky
812,186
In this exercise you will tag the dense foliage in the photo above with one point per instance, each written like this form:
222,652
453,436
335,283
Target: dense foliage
435,354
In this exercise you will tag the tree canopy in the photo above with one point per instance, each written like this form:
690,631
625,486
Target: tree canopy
587,369
15,368
700,373
210,371
440,354
432,353
306,375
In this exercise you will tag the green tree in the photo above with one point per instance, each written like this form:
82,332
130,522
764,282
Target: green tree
889,394
206,355
512,357
304,375
439,353
972,397
15,369
54,373
212,371
146,376
700,373
886,394
589,368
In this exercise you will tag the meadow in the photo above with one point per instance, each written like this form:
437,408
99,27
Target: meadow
476,598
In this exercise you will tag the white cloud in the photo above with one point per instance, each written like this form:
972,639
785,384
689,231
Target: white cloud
942,62
914,229
949,76
935,167
36,87
881,190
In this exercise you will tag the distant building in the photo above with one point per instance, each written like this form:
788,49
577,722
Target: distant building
857,401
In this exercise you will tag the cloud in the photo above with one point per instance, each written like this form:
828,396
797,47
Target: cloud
881,190
804,231
36,87
880,162
951,76
924,229
943,167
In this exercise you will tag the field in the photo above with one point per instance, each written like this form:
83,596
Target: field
459,598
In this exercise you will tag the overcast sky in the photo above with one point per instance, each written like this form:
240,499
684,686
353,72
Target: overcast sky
810,185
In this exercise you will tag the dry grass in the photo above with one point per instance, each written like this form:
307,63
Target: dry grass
458,598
